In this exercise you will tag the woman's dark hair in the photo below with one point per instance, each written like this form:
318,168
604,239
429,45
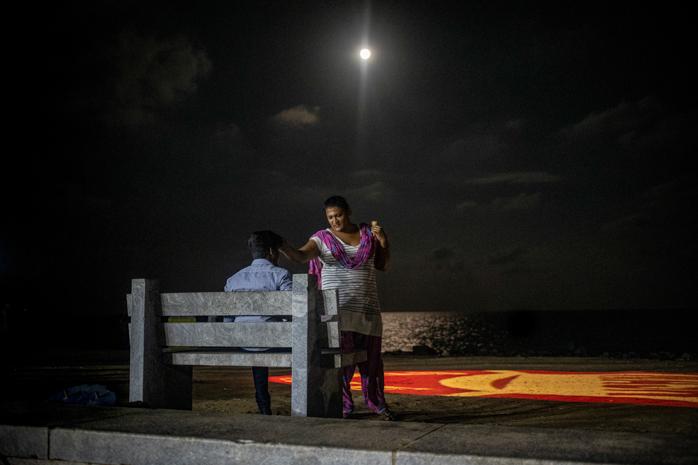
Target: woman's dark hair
337,201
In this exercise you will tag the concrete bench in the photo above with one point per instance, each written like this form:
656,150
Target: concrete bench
163,352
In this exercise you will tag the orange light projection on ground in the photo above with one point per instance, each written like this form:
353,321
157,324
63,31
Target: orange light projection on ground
621,387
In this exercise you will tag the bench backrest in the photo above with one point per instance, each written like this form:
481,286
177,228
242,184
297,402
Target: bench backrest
189,319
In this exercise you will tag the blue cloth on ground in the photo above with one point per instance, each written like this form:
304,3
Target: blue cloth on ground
85,394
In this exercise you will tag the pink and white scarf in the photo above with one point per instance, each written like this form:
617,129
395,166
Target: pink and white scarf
367,247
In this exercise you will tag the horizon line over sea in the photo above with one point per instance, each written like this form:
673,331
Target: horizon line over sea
524,309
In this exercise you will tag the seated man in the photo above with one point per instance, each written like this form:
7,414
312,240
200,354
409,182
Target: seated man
261,275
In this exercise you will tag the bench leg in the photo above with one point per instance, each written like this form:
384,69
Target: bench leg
326,393
315,391
151,380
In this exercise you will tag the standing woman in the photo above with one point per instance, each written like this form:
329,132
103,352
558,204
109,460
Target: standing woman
345,256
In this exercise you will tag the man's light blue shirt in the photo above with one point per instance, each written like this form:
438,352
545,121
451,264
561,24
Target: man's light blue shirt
261,275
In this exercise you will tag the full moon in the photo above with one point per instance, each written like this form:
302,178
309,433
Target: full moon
365,54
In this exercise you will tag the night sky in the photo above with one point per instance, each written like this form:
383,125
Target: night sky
520,155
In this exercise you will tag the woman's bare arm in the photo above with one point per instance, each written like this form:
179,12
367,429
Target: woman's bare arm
382,248
382,258
302,255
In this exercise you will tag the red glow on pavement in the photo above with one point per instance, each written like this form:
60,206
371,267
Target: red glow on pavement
650,388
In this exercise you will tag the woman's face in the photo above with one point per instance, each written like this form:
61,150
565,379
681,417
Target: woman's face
337,218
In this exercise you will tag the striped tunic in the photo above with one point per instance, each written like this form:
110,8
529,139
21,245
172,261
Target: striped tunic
358,293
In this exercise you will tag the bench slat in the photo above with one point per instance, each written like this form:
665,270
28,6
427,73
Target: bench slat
223,303
233,303
264,334
245,359
262,359
226,303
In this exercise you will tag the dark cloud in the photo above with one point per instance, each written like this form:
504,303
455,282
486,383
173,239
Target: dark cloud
479,147
227,133
152,74
615,122
507,257
523,177
519,202
367,174
478,144
665,205
522,201
636,131
442,253
446,262
466,204
377,191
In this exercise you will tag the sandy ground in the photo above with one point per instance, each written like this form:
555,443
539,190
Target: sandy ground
230,390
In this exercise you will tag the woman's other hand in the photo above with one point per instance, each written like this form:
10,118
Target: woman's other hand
379,234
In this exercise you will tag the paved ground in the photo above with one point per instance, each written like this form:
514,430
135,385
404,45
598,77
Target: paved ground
90,435
230,391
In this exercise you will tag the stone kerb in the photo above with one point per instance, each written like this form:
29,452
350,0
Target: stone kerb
24,441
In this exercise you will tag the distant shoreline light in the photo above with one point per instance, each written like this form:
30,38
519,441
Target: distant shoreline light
365,54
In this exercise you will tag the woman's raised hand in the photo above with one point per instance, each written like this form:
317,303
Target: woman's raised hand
379,234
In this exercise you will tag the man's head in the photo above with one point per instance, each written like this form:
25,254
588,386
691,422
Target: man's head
265,244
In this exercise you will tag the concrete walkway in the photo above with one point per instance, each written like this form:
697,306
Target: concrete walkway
56,433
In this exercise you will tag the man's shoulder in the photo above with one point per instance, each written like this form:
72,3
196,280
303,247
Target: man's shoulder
256,269
244,270
267,266
279,269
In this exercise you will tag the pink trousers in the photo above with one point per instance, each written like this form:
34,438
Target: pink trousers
371,371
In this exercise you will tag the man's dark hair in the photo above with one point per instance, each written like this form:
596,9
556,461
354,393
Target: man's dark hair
337,201
261,241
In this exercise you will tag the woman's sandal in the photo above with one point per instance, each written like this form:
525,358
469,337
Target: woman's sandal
388,415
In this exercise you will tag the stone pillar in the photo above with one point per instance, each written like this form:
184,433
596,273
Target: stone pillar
151,380
331,371
315,391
